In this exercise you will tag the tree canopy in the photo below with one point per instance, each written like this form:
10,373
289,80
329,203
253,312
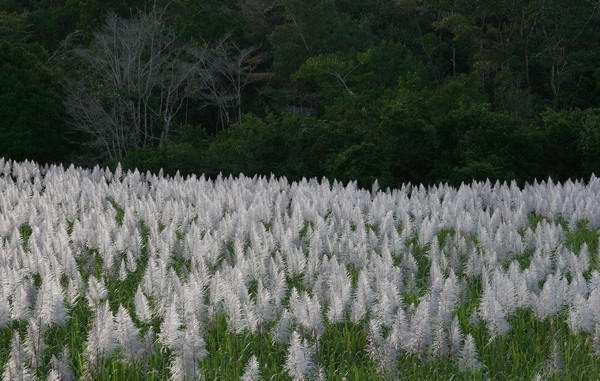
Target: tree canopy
389,90
31,123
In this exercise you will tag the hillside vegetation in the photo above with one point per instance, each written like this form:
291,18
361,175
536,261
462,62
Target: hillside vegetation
420,91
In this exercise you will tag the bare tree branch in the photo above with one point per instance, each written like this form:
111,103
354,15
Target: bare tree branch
138,75
225,74
137,79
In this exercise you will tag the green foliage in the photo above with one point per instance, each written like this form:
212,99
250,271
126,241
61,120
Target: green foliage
52,24
93,12
356,90
410,144
363,162
13,27
289,145
589,140
560,141
492,145
183,153
386,64
208,20
30,105
572,142
313,27
330,73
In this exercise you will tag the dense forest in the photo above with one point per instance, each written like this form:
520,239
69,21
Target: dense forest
416,91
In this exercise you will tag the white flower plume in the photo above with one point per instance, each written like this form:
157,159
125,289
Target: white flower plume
17,368
251,370
298,364
468,360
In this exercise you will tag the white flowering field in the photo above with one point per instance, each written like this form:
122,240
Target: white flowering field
129,276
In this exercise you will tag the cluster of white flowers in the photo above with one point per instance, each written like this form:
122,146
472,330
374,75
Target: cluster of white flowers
281,259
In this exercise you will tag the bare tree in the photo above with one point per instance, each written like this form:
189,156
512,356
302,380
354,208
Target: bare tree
225,74
106,120
137,78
